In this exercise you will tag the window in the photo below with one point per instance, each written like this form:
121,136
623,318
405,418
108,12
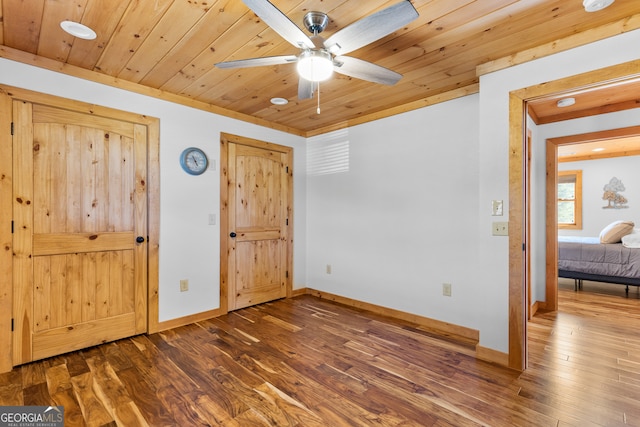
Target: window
570,199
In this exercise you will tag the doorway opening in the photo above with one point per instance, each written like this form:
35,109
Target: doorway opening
622,79
625,138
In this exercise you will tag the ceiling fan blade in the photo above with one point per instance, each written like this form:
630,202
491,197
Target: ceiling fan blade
364,70
258,62
281,24
305,89
371,28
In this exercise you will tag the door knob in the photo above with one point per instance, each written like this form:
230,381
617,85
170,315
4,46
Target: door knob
232,234
140,239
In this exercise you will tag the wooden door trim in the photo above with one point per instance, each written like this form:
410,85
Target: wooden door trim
551,228
551,287
6,238
531,308
616,74
7,95
225,139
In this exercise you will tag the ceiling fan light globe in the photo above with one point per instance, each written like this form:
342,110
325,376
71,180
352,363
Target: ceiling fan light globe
315,65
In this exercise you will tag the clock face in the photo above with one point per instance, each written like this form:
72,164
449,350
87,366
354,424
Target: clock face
193,161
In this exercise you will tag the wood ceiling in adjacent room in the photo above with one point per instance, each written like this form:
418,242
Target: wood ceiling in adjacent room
168,48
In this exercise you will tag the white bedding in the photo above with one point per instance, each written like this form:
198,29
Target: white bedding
579,239
632,240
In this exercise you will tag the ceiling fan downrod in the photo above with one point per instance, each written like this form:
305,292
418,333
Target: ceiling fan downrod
315,22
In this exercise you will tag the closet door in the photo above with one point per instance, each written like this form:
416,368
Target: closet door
80,252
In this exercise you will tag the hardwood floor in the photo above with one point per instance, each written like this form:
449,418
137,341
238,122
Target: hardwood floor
309,362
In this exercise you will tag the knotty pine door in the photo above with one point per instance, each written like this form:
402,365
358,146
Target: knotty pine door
80,204
258,239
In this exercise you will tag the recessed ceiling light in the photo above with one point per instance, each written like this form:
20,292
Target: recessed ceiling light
565,102
279,101
598,149
78,30
596,5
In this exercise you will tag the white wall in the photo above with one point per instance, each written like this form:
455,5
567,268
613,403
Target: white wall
595,174
189,247
402,220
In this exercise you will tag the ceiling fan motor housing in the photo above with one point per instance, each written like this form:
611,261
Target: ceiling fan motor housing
315,22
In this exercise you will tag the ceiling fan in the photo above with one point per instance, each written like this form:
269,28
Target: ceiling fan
319,57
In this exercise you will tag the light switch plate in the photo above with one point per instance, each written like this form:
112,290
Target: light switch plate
496,208
446,289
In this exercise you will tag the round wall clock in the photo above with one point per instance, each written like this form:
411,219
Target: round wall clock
193,161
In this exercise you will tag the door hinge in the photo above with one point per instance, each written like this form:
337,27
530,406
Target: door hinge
12,128
11,226
524,246
11,325
286,274
287,169
287,222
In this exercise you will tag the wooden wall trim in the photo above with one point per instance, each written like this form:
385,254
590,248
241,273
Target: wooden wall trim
224,223
597,156
187,320
534,308
298,292
468,335
585,37
551,229
597,136
6,238
153,221
491,355
415,105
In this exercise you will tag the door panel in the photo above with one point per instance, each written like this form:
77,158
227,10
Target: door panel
260,277
79,275
258,213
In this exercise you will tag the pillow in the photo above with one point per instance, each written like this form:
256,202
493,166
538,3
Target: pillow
614,232
631,240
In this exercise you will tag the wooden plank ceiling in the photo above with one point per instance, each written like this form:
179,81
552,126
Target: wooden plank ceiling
170,46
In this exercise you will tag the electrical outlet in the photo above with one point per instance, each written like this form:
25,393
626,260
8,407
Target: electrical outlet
328,269
184,285
500,228
446,289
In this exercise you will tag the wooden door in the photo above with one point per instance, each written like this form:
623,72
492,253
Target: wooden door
256,224
80,274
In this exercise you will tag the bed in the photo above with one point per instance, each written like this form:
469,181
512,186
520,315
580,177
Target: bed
586,258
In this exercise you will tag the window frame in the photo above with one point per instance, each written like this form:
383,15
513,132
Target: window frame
577,225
